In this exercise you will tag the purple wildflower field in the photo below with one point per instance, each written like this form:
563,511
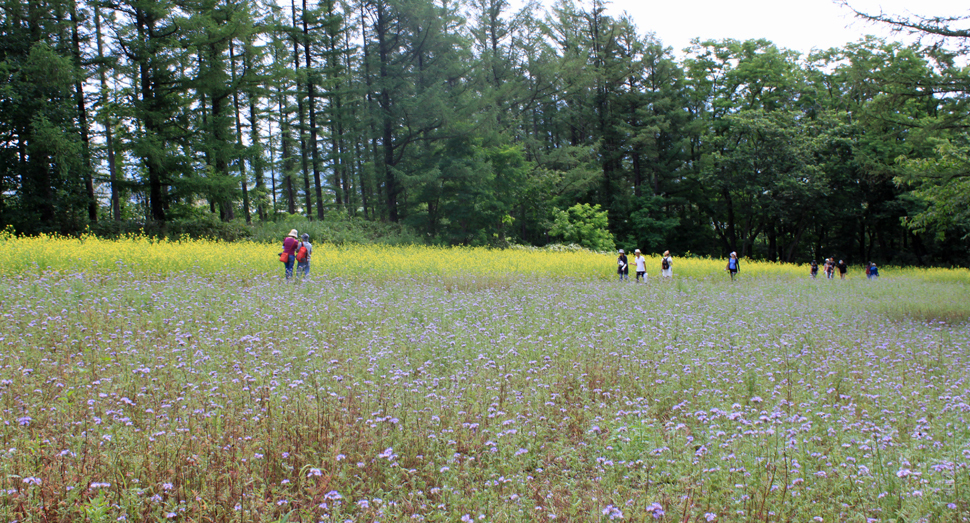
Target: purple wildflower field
191,398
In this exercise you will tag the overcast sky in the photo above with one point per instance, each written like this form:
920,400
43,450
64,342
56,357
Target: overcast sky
793,24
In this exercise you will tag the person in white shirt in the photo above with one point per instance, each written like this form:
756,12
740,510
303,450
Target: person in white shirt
641,265
666,265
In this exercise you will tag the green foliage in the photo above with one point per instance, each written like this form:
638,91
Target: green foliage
202,226
337,230
473,124
583,225
651,224
942,182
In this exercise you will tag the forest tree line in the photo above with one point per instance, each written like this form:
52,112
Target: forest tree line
473,123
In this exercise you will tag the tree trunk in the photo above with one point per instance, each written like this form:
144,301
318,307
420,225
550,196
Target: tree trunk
299,106
272,167
145,26
257,158
311,101
772,242
287,158
732,235
83,118
373,106
106,122
387,132
243,182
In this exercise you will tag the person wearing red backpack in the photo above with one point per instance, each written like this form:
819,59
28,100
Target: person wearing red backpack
303,253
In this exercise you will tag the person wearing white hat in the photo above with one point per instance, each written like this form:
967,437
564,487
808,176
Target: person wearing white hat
641,263
290,244
665,265
733,265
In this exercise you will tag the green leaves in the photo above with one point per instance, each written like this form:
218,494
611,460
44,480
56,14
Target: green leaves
583,225
942,183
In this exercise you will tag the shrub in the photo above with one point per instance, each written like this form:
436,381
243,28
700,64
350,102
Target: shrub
584,225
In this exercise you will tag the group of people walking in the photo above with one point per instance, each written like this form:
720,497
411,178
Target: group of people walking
296,251
733,267
640,263
829,266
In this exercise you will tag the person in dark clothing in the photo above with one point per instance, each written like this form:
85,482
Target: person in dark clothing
814,271
842,268
622,267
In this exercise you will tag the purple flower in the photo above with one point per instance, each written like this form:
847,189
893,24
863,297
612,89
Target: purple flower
612,512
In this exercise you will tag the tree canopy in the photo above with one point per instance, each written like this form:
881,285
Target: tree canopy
473,123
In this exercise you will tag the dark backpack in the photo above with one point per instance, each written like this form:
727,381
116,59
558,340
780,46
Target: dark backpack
664,264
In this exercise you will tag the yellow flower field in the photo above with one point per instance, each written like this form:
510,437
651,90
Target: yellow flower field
140,255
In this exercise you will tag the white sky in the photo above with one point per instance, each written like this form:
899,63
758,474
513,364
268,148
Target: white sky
793,24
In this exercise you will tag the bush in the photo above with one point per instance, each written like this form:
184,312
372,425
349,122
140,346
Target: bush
584,225
208,227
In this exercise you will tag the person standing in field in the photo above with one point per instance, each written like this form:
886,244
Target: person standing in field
733,265
666,266
842,268
829,268
622,268
290,243
304,251
814,271
641,265
873,271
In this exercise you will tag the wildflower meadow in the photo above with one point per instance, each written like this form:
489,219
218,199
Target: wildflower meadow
187,381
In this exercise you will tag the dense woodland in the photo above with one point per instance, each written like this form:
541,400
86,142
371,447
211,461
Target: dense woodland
471,123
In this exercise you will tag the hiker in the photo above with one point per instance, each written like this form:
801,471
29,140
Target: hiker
641,265
303,253
873,271
666,264
814,271
733,265
842,268
830,268
290,244
622,268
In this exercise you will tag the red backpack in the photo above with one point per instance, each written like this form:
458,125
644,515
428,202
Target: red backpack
301,253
